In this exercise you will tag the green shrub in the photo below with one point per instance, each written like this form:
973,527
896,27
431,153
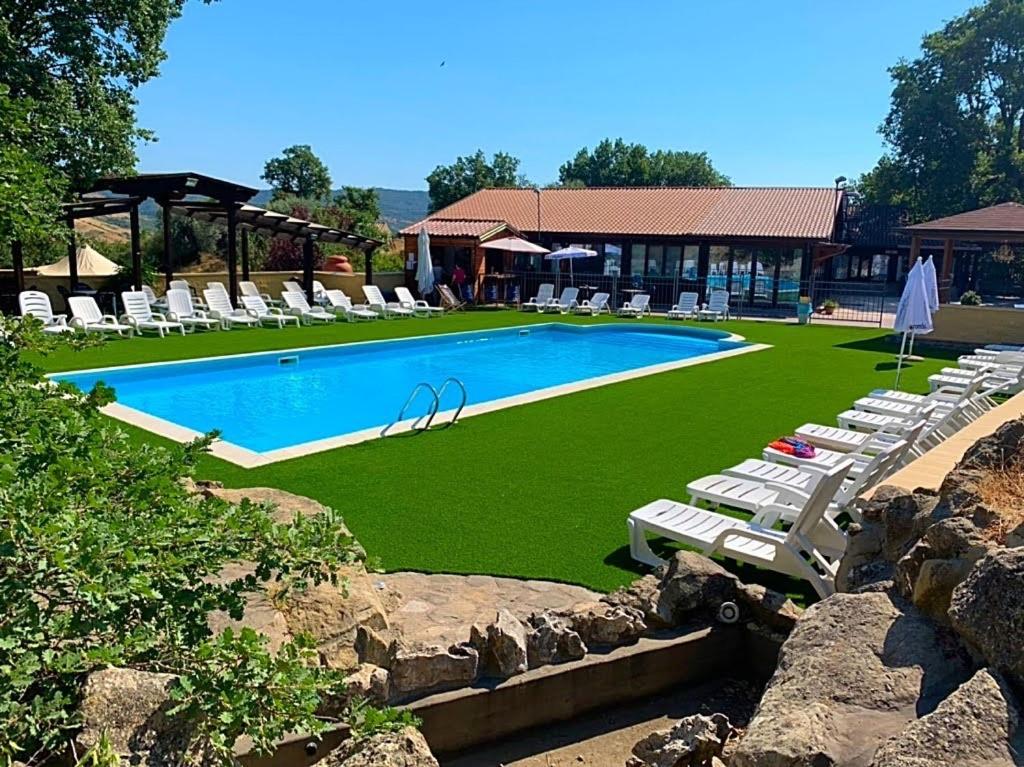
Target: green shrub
106,558
970,298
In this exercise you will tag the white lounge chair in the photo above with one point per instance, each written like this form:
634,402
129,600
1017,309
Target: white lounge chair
249,288
810,549
545,293
291,286
256,307
636,307
86,314
386,309
297,304
140,316
594,305
449,300
157,303
180,309
717,307
319,292
850,441
222,310
419,307
36,303
185,285
565,303
342,305
685,308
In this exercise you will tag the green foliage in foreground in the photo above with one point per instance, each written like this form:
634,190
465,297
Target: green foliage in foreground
107,559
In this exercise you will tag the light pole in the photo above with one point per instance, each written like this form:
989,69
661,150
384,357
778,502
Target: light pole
536,190
840,180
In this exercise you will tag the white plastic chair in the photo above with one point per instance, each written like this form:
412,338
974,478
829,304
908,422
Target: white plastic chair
139,314
36,303
86,315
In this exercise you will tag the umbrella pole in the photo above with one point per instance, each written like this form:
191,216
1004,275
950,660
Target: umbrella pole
899,360
572,280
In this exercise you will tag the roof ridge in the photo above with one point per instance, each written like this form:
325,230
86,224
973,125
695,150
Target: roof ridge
642,187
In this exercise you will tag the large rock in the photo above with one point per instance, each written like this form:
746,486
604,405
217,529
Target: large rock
420,669
988,610
333,614
692,582
261,614
978,725
600,624
768,608
501,645
392,749
855,670
130,708
695,741
368,682
552,639
641,595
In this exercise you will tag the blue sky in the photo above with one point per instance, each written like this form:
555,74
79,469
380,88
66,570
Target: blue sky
778,92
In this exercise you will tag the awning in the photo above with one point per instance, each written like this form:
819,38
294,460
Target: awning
513,244
91,263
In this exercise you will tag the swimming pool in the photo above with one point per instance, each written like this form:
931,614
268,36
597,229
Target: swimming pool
275,405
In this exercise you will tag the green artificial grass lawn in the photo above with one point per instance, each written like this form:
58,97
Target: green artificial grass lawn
543,490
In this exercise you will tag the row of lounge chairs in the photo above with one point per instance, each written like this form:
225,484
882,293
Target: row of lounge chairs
181,310
688,306
798,503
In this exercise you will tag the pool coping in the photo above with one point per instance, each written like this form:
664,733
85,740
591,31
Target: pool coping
251,459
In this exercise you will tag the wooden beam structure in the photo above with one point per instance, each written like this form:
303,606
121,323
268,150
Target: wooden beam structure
245,254
72,258
165,207
18,264
946,272
136,246
232,256
307,267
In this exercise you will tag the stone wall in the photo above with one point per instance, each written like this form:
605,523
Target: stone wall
972,326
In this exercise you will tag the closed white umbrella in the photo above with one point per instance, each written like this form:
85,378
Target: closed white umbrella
913,315
571,254
931,282
424,268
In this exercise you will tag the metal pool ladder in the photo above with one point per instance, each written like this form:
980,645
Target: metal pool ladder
423,423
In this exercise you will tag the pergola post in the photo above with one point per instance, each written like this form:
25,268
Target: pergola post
368,270
136,245
232,255
947,270
245,254
307,268
72,256
915,251
18,264
165,206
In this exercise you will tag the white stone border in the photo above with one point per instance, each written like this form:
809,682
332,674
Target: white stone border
251,459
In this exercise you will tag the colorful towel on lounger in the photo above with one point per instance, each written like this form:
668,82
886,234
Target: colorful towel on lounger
793,446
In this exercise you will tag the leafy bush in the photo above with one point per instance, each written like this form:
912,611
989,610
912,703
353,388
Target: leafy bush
107,558
970,298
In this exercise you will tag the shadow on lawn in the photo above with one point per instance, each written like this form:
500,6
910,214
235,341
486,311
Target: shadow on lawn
800,592
887,345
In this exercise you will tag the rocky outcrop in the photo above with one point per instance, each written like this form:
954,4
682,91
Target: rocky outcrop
856,669
988,610
129,708
695,741
978,725
502,646
552,639
417,668
600,624
392,749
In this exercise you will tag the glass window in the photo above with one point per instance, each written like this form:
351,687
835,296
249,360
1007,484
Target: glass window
879,267
840,266
691,257
742,261
612,259
789,275
655,260
636,258
718,267
673,255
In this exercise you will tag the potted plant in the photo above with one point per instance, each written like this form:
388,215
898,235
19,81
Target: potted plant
970,298
828,306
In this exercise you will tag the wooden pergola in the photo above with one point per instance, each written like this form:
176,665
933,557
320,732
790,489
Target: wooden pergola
202,197
1003,224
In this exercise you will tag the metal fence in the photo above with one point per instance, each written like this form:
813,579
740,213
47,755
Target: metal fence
767,297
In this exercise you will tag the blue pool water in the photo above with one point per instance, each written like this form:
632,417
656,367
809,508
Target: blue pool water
262,402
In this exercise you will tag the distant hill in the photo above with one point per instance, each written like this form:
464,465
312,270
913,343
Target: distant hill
398,207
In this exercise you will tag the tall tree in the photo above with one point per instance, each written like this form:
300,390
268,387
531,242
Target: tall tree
955,128
298,172
616,163
449,183
359,210
80,63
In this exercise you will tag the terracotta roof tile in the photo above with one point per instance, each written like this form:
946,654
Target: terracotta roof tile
457,227
1006,217
798,213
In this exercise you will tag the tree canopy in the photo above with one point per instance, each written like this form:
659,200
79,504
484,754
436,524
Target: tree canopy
298,172
616,163
955,128
450,183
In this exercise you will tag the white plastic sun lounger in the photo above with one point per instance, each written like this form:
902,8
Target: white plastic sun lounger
291,286
180,309
156,303
249,288
341,304
319,292
222,310
184,285
387,310
86,314
848,440
419,307
565,303
810,549
755,483
545,293
140,316
685,308
717,307
256,307
297,305
636,307
594,305
36,303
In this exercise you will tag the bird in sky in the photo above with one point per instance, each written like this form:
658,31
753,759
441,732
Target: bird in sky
443,63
